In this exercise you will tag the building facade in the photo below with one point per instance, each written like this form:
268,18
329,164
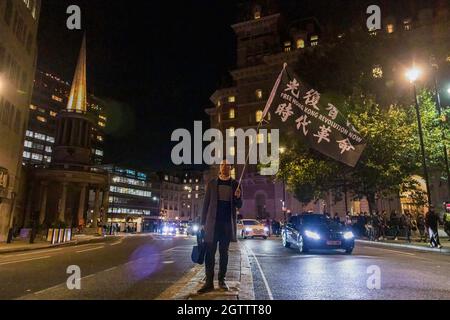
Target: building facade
134,200
19,21
267,37
50,97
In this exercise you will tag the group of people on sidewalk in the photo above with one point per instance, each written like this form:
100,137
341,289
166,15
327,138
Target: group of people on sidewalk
380,225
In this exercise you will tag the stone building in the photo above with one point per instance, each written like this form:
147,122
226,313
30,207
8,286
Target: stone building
19,21
58,194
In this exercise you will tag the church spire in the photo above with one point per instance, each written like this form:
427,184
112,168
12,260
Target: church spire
77,98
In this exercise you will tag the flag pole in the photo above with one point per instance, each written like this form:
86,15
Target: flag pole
266,109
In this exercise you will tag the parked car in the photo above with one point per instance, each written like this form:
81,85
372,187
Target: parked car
251,228
317,231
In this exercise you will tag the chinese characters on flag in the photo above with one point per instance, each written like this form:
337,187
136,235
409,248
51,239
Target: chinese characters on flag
297,107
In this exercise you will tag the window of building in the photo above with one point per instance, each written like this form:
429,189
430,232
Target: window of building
53,113
407,24
39,136
300,43
257,15
36,156
259,94
41,119
231,99
231,113
377,72
48,149
26,155
33,107
259,115
189,196
50,139
232,151
29,133
231,131
99,138
314,40
102,124
56,98
102,117
196,196
196,187
390,28
27,144
287,46
47,159
219,103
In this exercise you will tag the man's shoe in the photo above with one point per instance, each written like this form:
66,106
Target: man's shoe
206,288
223,285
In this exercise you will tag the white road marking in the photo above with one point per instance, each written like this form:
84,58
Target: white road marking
30,253
90,249
269,292
23,260
168,262
400,252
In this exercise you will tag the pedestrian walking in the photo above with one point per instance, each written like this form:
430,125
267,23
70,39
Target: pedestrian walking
222,198
395,223
383,221
432,224
407,225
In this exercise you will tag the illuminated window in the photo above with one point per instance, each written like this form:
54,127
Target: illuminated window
56,98
99,138
29,133
390,28
219,103
33,107
231,114
26,155
189,196
377,72
407,24
231,131
314,40
260,138
53,114
259,94
196,188
102,124
300,43
41,110
41,119
287,46
50,139
257,15
48,149
27,144
196,196
47,159
232,151
231,99
259,115
102,117
39,136
36,156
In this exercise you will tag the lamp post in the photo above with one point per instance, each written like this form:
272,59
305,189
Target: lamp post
282,150
439,110
412,75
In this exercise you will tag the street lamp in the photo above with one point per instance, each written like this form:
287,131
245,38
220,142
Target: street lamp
412,75
282,150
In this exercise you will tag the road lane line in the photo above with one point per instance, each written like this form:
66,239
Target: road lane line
269,292
90,249
30,253
400,252
23,260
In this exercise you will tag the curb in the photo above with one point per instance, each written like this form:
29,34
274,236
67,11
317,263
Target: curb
407,246
67,244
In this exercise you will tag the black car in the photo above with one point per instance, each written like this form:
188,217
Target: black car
317,231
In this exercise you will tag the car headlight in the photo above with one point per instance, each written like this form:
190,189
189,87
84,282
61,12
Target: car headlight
312,235
165,229
348,235
266,229
248,229
195,228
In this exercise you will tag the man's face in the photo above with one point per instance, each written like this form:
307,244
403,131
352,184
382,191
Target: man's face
225,169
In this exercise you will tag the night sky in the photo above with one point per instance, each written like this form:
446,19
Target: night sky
154,63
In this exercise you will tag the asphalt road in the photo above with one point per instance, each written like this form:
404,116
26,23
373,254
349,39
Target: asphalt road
132,267
281,273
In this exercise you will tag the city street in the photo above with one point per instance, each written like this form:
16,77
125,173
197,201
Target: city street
133,267
144,266
288,275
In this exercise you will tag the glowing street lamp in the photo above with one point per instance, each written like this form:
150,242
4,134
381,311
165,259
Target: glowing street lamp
412,75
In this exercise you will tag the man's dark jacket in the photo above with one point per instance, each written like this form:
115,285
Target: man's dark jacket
210,211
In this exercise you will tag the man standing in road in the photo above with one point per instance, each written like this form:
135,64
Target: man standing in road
222,198
432,223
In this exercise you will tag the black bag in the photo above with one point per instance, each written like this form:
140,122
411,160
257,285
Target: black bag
199,251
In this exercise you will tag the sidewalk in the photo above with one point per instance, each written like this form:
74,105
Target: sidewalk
239,280
23,245
402,243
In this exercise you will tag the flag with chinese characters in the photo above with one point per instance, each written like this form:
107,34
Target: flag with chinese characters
296,107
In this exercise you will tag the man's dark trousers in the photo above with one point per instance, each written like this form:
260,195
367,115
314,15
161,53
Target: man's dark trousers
211,248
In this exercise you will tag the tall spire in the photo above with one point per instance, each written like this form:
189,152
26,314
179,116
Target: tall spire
77,98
